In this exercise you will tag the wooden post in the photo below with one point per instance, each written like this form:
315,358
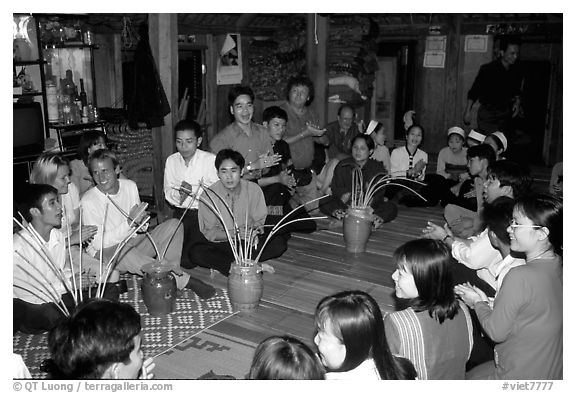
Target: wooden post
211,97
452,105
163,33
316,62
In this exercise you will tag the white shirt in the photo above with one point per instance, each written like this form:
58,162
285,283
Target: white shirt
366,371
477,255
382,154
400,162
19,369
42,279
495,273
116,227
200,167
70,202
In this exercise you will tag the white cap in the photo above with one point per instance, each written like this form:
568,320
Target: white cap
457,130
476,136
502,138
371,127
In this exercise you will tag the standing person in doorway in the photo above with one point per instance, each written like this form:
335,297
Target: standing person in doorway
498,88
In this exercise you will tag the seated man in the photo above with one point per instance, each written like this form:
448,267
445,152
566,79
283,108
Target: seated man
39,279
183,173
505,179
462,215
100,340
246,201
114,207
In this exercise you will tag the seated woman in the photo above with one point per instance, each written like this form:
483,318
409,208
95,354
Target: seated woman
246,202
352,342
54,170
410,162
526,318
285,358
435,331
100,340
336,204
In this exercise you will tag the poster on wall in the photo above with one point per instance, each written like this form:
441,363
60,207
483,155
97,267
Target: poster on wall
229,66
434,59
476,43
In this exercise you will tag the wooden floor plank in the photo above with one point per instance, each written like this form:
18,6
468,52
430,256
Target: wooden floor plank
316,265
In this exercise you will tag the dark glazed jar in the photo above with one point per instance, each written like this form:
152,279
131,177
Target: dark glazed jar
158,289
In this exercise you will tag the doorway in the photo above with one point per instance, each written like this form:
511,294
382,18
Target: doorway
191,77
394,86
527,132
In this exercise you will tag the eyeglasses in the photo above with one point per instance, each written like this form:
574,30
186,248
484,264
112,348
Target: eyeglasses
514,225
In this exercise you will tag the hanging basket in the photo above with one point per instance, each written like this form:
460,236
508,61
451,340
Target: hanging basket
357,228
245,287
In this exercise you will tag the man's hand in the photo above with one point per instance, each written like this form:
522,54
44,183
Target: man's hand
137,214
470,294
467,117
147,366
88,232
267,161
339,214
345,197
185,190
287,179
434,231
377,221
314,130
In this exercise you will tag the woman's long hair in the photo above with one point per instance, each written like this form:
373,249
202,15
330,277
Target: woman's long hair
356,319
429,262
285,358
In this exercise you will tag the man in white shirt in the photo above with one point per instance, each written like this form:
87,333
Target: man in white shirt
39,261
183,173
116,203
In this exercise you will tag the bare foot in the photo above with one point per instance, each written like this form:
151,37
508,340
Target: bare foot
267,268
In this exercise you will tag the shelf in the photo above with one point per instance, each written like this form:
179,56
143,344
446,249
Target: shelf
76,126
29,62
36,94
67,46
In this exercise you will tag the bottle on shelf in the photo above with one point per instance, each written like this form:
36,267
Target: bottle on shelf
83,97
67,110
52,101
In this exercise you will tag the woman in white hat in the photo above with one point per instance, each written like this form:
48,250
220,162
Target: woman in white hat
498,142
452,161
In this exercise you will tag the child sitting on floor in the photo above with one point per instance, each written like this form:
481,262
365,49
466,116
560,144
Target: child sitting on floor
469,200
285,358
352,342
452,161
100,340
435,331
336,204
277,182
